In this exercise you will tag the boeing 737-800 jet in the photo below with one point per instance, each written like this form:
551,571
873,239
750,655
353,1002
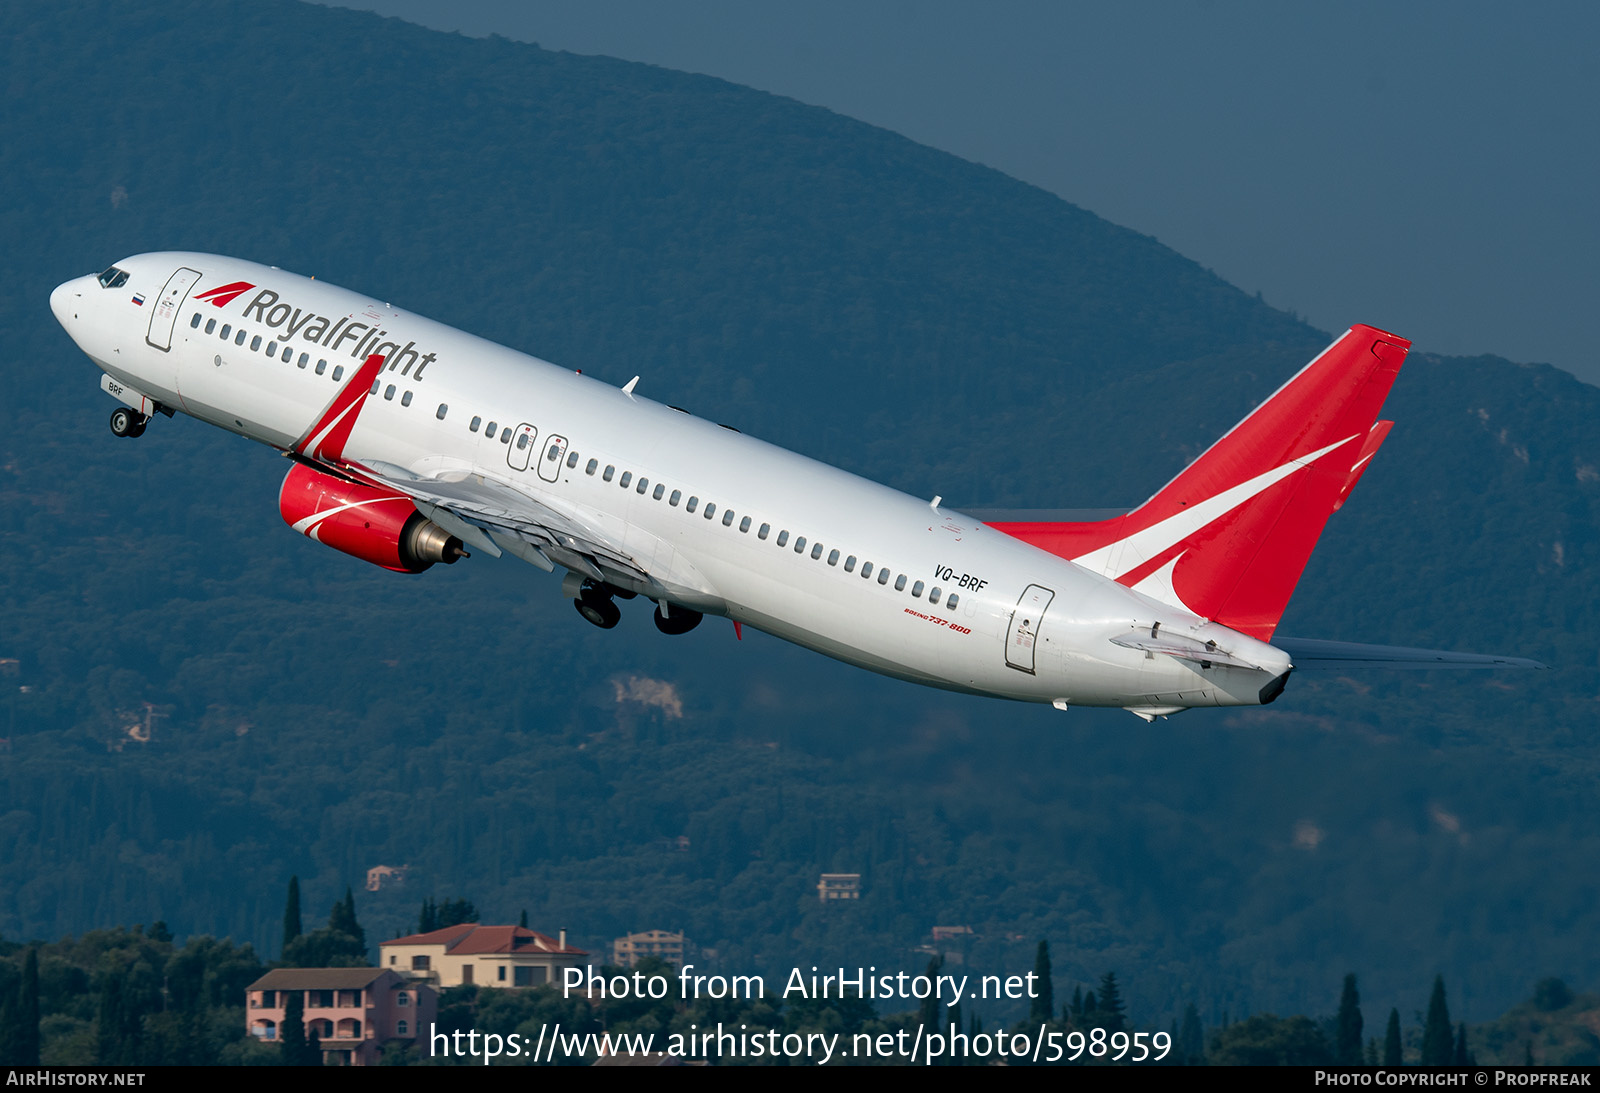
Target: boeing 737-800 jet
411,442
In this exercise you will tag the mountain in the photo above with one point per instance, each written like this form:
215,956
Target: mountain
828,286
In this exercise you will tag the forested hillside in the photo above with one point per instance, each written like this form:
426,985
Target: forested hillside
828,286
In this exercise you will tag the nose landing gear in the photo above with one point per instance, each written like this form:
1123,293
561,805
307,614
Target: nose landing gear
126,421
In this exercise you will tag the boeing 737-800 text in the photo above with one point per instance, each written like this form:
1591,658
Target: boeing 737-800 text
412,442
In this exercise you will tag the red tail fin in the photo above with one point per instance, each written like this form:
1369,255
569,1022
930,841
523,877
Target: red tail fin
1229,537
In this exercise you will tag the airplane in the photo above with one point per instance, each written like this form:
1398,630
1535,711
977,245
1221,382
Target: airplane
410,442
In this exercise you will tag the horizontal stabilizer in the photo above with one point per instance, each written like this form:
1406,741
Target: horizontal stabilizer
1313,655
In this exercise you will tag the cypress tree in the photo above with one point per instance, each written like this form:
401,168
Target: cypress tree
1392,1054
1077,1003
1372,1051
27,1011
291,912
523,922
931,1005
1090,1005
292,1034
1463,1057
1111,1007
1347,1048
427,921
1192,1039
1437,1042
1044,996
313,1055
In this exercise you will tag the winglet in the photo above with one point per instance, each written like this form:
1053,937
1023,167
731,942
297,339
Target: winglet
325,440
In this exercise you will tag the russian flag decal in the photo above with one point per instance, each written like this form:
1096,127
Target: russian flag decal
138,300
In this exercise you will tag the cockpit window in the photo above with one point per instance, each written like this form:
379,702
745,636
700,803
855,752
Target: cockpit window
113,277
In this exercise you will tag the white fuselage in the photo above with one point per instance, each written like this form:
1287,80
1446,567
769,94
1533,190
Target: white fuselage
1008,619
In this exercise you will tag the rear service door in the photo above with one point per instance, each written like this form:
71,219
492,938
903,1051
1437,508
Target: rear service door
165,313
1024,631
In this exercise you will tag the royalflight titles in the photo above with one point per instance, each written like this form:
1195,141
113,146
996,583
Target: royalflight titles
860,983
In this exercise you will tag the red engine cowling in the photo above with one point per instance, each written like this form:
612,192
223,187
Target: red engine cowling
378,526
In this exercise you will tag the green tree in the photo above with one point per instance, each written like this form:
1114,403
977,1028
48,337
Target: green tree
1113,1014
1044,998
1347,1048
25,1017
1438,1043
1267,1040
1191,1040
291,913
1551,994
1393,1052
292,1032
428,918
1463,1055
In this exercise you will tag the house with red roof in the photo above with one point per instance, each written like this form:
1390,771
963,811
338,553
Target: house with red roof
353,1011
489,956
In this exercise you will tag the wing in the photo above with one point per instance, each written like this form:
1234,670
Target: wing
1313,655
496,516
491,515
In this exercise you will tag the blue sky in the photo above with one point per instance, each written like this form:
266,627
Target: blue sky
1430,168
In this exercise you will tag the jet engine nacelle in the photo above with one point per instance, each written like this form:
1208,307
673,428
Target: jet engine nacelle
376,525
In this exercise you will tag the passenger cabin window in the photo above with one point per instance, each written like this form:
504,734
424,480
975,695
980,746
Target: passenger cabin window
627,477
644,484
322,366
194,322
255,344
593,465
850,564
866,569
227,330
405,399
338,373
727,518
305,359
388,394
554,454
762,533
610,472
288,354
800,544
238,339
443,409
744,525
783,538
694,502
816,551
952,601
711,510
660,491
490,429
676,496
522,441
933,594
916,590
900,583
883,576
833,557
572,460
211,325
272,349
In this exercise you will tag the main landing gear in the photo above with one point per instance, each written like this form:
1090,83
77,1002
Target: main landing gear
594,604
593,600
676,620
126,421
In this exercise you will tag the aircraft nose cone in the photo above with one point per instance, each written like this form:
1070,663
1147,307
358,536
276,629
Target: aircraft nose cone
61,303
